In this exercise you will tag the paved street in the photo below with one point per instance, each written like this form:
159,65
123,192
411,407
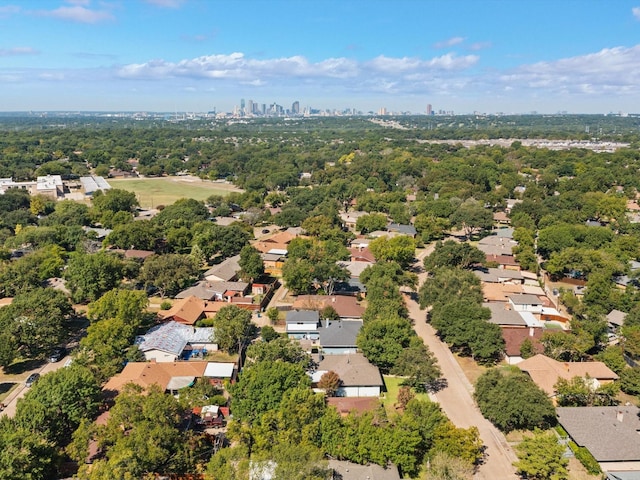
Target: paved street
457,401
21,390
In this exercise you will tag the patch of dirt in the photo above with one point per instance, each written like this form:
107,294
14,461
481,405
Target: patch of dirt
470,368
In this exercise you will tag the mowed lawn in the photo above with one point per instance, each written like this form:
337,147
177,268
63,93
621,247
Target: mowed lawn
152,192
391,395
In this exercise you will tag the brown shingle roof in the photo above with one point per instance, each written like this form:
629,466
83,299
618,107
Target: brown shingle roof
515,336
545,371
345,307
146,374
353,369
188,310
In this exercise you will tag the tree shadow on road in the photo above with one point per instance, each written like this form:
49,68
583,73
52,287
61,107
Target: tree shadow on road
18,368
437,385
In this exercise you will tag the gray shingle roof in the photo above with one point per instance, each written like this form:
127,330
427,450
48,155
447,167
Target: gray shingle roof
226,270
353,369
340,333
609,433
304,316
172,337
501,316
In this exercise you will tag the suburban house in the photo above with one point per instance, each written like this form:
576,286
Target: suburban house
515,337
496,245
408,230
185,310
218,291
499,292
499,275
273,263
338,337
359,378
353,286
526,303
227,271
277,243
609,433
503,261
169,376
168,342
615,320
346,307
303,324
361,254
349,219
545,372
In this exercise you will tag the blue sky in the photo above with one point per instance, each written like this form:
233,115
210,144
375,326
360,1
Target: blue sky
513,56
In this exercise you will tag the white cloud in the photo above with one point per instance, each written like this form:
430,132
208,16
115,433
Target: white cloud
79,2
166,3
451,42
636,12
9,52
480,46
78,14
609,70
8,10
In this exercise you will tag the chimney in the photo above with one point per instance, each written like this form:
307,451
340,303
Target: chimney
619,416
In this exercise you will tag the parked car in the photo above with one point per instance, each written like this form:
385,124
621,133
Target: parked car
57,354
31,379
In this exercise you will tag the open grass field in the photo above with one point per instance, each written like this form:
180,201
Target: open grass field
152,192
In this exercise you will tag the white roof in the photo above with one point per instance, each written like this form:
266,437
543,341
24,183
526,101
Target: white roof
219,370
530,319
277,251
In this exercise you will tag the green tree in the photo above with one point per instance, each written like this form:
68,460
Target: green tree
511,401
400,249
630,380
128,305
279,348
453,254
261,387
34,323
383,340
26,454
233,329
541,457
446,285
371,222
58,402
90,276
251,264
185,212
169,273
141,235
418,364
471,217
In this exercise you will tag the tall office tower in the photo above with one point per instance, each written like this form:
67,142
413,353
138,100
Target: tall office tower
242,110
295,108
250,107
264,108
382,111
429,109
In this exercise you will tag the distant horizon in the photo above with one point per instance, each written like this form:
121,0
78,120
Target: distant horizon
460,56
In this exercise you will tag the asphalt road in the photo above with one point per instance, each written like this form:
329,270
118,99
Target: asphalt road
21,390
456,399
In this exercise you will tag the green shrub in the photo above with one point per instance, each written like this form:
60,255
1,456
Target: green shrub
562,433
585,458
165,305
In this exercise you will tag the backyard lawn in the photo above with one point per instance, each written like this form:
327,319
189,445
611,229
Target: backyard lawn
393,385
152,192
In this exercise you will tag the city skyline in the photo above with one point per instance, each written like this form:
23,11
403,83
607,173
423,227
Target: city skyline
205,55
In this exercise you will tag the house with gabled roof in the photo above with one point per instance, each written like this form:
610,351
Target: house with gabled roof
168,342
338,337
303,324
169,376
346,307
359,377
609,433
227,271
185,310
545,372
